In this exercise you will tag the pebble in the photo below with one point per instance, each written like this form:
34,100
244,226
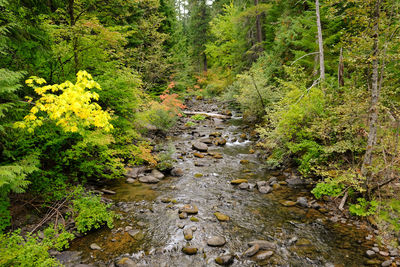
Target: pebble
252,250
94,246
177,172
370,253
130,180
384,253
126,262
302,201
221,217
189,250
387,263
263,244
157,174
188,233
110,192
183,215
244,186
224,260
265,189
238,181
148,179
261,183
263,255
200,146
180,225
216,241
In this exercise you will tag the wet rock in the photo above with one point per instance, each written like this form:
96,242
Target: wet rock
261,184
384,253
183,215
244,161
224,260
265,189
302,201
263,244
188,233
200,146
263,255
244,186
376,249
251,251
221,217
394,253
198,175
157,174
219,141
302,242
134,172
295,181
180,225
276,186
198,155
148,179
189,209
251,151
106,191
217,156
189,250
243,136
216,241
133,232
177,172
288,203
208,141
199,164
374,262
126,262
69,257
386,263
194,219
130,180
215,134
272,180
94,246
238,181
128,228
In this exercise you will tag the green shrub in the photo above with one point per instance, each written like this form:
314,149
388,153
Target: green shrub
198,117
363,207
90,213
16,250
57,237
190,124
327,188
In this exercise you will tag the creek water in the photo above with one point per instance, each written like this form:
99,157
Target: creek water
151,211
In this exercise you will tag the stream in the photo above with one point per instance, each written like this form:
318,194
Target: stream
150,231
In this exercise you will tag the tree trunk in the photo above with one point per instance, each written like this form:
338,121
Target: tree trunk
75,37
373,111
205,62
341,69
320,43
258,27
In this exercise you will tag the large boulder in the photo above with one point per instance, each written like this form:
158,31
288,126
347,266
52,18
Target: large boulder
200,146
148,179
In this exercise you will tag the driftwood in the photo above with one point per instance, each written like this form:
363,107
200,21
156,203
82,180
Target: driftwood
213,115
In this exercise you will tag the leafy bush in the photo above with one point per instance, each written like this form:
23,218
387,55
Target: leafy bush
165,160
90,213
57,237
363,207
327,188
16,250
198,117
190,124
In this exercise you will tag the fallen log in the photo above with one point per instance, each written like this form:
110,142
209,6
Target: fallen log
212,115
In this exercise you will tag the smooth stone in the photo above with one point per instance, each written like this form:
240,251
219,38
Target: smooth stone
217,156
188,233
387,263
189,250
177,172
133,233
200,146
394,253
189,209
106,191
376,249
238,181
224,260
220,141
126,262
221,217
215,134
216,241
180,225
252,250
265,189
263,244
295,181
302,201
288,203
183,215
208,141
194,228
244,186
130,180
94,246
276,186
198,175
134,172
199,164
157,174
128,228
302,242
148,179
384,253
198,155
263,255
261,184
244,161
272,180
194,219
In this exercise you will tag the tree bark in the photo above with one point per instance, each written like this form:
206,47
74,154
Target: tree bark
75,37
258,27
341,69
320,42
373,111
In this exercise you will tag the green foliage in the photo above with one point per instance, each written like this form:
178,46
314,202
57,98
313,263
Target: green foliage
165,160
198,117
327,188
190,124
90,213
16,250
364,207
390,212
57,237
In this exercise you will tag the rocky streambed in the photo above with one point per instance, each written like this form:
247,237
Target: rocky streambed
220,206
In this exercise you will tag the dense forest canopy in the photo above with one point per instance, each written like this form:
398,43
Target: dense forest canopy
82,82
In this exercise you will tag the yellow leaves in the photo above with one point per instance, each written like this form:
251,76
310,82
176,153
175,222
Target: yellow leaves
71,108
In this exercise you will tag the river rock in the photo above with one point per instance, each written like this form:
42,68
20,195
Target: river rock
265,189
384,253
302,242
244,161
189,209
251,251
180,225
198,155
200,146
244,186
276,186
288,203
387,263
133,232
126,262
225,260
130,180
272,180
302,201
295,181
134,172
261,184
157,174
263,244
215,134
189,250
238,181
94,246
263,255
217,156
188,233
148,179
183,215
216,241
177,172
221,217
219,141
106,191
208,141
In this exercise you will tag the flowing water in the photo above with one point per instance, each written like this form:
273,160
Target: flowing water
152,213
